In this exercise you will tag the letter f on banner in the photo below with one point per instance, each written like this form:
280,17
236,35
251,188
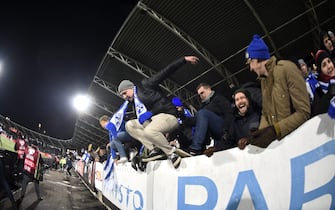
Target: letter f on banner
196,181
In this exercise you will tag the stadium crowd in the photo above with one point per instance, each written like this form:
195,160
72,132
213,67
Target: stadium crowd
286,94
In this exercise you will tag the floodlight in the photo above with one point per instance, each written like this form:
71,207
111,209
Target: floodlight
81,102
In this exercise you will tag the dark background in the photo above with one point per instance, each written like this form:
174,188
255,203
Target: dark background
49,53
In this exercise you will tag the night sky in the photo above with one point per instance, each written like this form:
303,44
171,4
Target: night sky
49,53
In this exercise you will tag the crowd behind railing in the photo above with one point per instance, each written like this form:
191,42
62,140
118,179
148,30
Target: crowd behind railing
286,94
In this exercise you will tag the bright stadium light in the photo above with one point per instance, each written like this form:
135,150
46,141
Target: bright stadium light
81,102
1,68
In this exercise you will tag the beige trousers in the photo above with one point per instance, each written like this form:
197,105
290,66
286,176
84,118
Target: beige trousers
154,132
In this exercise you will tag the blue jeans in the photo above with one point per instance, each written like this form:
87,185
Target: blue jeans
206,121
117,143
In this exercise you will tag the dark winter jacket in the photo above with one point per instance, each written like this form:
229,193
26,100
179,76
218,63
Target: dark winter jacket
151,95
221,106
241,127
320,103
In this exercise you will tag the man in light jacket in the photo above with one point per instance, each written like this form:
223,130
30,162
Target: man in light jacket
285,103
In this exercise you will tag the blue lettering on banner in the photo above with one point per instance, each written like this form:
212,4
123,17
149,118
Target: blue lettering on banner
247,178
212,193
298,196
124,194
140,197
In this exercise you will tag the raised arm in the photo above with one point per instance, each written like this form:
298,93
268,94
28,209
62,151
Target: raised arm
170,69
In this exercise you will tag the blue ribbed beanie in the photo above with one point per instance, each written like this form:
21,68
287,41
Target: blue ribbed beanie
257,49
177,102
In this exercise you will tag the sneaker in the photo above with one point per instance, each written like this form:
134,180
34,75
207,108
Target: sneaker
194,152
175,159
135,162
142,166
40,198
132,153
183,153
175,143
123,160
155,154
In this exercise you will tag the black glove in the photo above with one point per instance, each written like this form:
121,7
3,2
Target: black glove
242,143
210,151
263,137
331,91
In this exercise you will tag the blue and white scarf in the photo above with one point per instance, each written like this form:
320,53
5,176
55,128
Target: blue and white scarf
325,85
312,84
331,108
115,123
141,111
117,119
86,157
108,168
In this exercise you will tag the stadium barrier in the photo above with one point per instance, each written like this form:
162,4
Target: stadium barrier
294,173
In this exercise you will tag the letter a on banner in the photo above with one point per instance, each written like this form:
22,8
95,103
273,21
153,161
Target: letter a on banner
247,178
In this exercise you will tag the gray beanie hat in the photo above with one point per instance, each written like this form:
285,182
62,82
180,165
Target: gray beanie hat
301,62
124,85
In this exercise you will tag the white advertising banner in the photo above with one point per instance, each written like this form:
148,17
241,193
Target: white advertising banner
294,173
129,189
99,172
297,172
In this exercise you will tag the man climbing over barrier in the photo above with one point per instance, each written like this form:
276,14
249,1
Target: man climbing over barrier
156,115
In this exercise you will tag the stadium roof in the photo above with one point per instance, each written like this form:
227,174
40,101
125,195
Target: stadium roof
218,32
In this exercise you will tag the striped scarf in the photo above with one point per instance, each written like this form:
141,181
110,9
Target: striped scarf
141,111
324,85
117,119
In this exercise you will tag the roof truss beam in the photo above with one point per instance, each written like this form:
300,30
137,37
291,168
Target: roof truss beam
90,132
168,85
266,31
211,60
103,106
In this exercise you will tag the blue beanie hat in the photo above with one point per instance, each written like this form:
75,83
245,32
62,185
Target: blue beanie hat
177,102
257,49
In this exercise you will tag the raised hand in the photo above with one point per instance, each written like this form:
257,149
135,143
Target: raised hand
191,59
